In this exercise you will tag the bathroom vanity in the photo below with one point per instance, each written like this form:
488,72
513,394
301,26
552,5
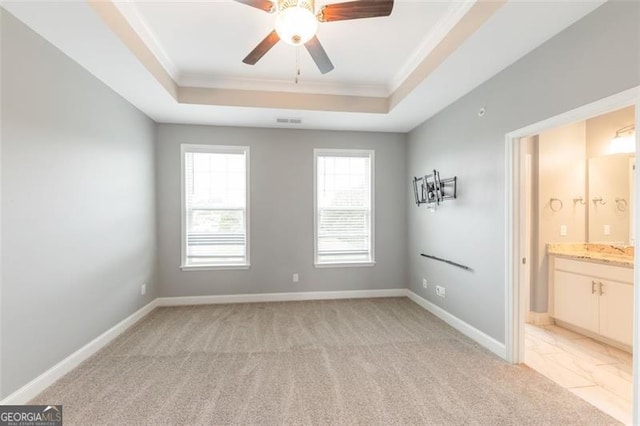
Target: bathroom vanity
591,291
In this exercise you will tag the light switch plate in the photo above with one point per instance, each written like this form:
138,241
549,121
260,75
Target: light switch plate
563,230
607,230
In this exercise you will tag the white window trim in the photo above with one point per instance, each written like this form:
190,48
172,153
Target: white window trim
184,148
343,153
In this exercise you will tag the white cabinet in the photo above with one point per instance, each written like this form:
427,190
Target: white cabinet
594,297
616,311
575,302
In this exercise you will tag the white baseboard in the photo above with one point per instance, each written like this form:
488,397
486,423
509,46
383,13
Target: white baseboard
280,297
46,379
483,339
539,318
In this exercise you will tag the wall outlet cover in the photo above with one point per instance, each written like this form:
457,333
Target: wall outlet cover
563,230
424,283
296,278
143,289
441,291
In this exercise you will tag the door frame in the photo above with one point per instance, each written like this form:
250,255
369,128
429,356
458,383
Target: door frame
515,310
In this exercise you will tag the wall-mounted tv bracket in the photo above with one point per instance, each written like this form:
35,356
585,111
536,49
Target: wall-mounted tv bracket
430,189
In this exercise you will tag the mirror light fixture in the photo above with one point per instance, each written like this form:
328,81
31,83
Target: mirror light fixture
296,23
624,141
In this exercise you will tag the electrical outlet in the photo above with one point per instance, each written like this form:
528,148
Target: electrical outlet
563,230
296,278
607,230
424,283
143,289
440,291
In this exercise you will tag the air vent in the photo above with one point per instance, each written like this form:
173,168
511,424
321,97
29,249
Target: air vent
289,120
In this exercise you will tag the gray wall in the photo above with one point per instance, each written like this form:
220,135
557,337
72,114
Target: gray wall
78,206
594,58
282,212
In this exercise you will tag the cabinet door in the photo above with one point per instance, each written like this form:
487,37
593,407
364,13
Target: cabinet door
576,300
616,311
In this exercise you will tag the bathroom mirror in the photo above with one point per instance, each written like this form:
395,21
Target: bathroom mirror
610,201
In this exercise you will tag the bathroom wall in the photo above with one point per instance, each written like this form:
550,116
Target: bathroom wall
561,171
601,129
611,182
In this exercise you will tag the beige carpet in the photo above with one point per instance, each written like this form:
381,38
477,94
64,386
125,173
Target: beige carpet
374,361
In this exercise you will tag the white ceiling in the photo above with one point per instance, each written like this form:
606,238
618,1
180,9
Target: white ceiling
179,32
203,44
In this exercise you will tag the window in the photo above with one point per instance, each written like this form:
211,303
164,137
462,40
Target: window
215,209
343,207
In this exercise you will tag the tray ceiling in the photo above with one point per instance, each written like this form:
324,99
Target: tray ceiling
203,43
181,61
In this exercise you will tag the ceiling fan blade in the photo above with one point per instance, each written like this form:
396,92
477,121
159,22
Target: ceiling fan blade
355,10
265,5
319,55
262,48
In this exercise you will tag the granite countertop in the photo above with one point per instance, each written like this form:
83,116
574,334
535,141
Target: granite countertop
600,253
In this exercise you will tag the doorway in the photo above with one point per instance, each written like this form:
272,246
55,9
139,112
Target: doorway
518,236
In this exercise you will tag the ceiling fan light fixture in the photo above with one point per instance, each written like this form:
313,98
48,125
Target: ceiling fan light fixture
296,23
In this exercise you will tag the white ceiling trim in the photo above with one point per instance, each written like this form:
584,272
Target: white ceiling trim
212,81
457,11
282,100
470,23
130,12
117,23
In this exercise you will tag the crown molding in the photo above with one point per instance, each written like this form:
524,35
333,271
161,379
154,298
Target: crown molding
213,81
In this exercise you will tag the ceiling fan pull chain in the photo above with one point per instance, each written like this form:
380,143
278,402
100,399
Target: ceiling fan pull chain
297,63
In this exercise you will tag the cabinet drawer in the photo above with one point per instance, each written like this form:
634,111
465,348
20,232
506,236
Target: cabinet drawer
596,270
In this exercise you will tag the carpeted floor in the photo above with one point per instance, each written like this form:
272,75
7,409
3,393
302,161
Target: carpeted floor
373,361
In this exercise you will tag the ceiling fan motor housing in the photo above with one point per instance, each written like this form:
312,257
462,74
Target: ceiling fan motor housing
296,22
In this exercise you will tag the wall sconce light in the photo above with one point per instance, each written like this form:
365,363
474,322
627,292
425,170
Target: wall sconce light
624,141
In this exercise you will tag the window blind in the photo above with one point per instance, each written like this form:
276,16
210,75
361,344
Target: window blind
215,206
343,203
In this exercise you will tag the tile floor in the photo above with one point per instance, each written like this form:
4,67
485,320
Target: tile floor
596,372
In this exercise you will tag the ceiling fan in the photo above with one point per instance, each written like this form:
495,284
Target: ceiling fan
296,24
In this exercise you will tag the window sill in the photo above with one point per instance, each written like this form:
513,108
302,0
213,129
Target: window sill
345,265
214,267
